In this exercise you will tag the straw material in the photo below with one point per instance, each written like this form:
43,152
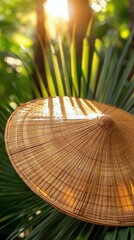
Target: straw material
78,155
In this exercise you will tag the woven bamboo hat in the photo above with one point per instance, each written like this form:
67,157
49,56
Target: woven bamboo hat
78,155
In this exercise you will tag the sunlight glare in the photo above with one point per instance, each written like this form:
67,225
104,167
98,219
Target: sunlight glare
98,6
57,9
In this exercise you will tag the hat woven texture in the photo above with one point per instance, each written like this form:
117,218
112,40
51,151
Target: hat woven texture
76,154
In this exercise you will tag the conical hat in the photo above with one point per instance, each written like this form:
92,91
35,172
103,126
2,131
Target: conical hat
78,155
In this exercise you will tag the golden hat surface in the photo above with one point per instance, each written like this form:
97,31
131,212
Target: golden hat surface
76,154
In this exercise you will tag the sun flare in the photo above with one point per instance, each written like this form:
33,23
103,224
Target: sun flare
57,9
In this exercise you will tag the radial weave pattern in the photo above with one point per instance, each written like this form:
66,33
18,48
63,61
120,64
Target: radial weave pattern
78,155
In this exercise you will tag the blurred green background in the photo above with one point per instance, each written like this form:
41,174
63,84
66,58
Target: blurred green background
19,27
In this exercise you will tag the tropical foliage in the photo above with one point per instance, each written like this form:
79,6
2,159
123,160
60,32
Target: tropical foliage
17,26
104,74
